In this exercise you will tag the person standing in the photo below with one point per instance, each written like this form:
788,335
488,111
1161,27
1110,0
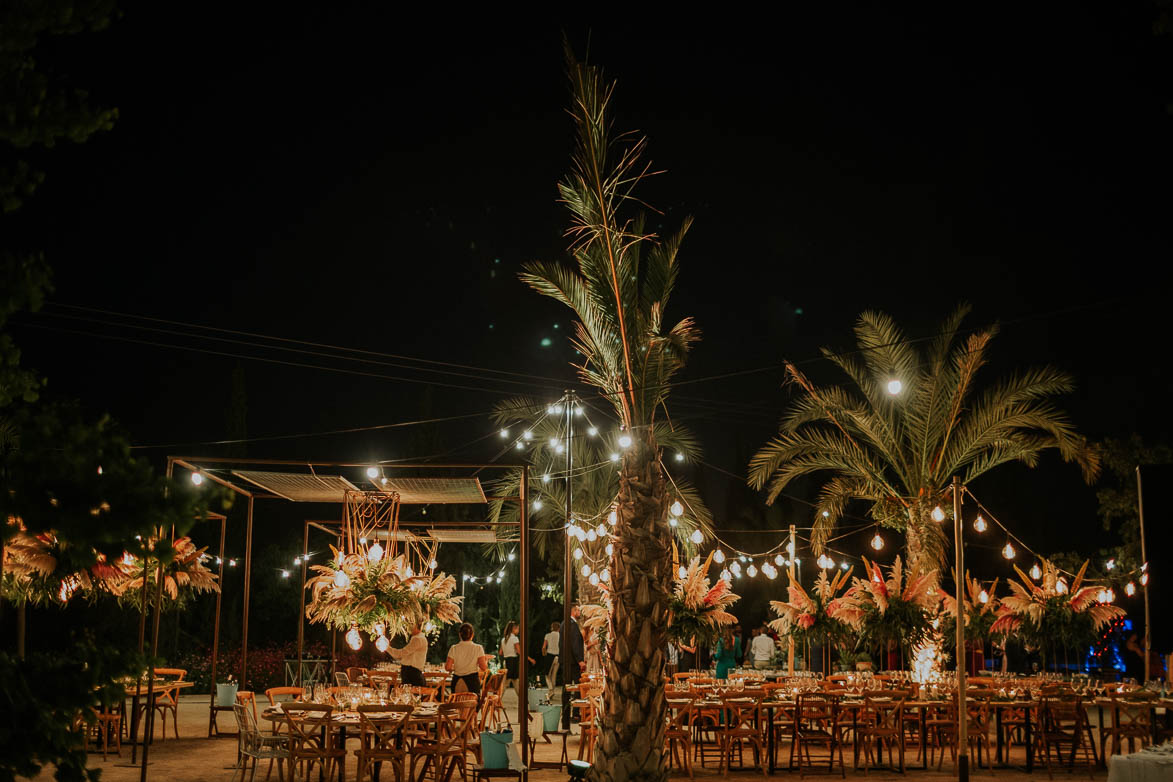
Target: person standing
550,646
412,657
577,652
466,661
687,660
728,650
762,649
511,652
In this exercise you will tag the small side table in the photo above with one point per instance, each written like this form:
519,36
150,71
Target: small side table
563,760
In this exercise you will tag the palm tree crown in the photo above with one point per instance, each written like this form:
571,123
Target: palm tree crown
898,451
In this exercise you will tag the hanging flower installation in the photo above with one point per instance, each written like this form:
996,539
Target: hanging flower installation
1050,614
817,618
896,610
696,609
184,574
981,609
361,592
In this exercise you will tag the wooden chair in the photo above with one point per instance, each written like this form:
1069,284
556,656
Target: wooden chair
167,700
107,724
426,693
282,694
381,739
255,746
588,727
312,739
880,723
679,731
740,721
447,750
1131,717
1063,723
356,675
341,679
782,723
817,723
248,699
977,730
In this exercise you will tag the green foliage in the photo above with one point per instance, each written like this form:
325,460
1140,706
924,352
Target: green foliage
899,452
1061,627
904,623
42,696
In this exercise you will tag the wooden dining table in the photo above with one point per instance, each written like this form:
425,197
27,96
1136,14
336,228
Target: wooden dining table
136,691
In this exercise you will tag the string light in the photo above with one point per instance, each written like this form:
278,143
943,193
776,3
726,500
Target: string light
679,456
1144,579
504,433
353,638
382,644
1061,586
726,575
1035,572
375,553
1130,589
983,596
625,441
751,571
677,509
433,564
537,505
578,553
614,457
594,579
527,435
1008,550
284,574
196,478
682,572
593,431
673,521
601,531
877,542
546,478
979,524
609,549
606,574
718,556
372,472
613,518
1110,564
697,537
938,514
592,536
895,387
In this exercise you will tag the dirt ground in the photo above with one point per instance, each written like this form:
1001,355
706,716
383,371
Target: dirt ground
194,758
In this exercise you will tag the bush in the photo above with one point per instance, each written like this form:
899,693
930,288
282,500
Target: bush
266,664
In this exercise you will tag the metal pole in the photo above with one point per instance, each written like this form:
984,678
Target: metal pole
1148,627
523,658
305,551
248,571
793,548
149,726
959,581
216,628
567,665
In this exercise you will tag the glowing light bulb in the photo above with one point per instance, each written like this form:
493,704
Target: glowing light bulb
537,505
196,478
606,574
512,556
1061,586
520,446
826,514
99,469
681,572
362,541
726,575
353,638
938,514
1035,572
559,448
624,441
679,456
677,508
673,521
341,580
1130,589
610,550
577,410
594,579
592,536
382,644
718,556
232,563
1008,550
546,478
593,431
372,472
751,571
614,457
504,433
578,553
983,596
586,571
432,565
1110,564
297,560
979,524
570,531
772,573
429,627
601,531
612,518
877,542
558,409
780,560
375,553
844,566
697,537
895,387
527,435
379,629
553,441
284,574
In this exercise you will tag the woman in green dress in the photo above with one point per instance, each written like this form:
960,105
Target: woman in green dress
727,654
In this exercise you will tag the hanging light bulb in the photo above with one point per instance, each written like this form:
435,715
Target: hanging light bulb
1144,579
718,556
610,549
983,596
559,448
979,524
520,445
284,574
504,434
679,456
537,505
429,627
751,571
938,514
613,518
372,472
512,556
578,553
697,537
592,536
375,553
1130,589
546,478
681,572
790,549
601,531
1061,586
673,521
196,478
1035,572
780,560
570,531
353,638
614,457
527,435
593,431
726,575
594,579
341,580
379,629
586,570
624,441
1110,564
1008,550
432,565
895,387
606,574
877,542
735,566
677,508
772,573
382,644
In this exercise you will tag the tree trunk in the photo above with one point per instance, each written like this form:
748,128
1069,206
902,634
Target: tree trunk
631,744
924,545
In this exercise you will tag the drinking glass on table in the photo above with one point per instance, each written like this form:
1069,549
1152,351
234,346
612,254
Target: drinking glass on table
307,692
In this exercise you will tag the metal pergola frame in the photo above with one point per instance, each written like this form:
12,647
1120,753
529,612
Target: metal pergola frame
206,467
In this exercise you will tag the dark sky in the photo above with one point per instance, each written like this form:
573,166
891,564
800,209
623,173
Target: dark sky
369,180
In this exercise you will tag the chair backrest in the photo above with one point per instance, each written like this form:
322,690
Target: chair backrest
1134,713
1061,712
248,699
495,684
341,679
279,694
680,715
590,689
356,675
178,673
306,721
459,697
242,732
817,708
382,726
741,715
882,712
425,693
681,675
453,723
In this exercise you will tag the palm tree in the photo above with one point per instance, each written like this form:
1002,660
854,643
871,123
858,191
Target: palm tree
594,487
911,419
619,287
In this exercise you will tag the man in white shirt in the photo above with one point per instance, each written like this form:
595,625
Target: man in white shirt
412,658
551,646
762,648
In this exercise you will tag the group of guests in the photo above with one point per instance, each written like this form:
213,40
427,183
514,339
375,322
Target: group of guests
727,653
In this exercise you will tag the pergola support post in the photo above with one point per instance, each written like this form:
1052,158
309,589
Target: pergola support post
216,628
523,658
305,550
248,570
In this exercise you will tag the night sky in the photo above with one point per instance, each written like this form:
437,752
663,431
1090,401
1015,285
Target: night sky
373,181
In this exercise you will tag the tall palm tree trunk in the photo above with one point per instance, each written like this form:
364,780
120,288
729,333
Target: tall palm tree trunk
632,723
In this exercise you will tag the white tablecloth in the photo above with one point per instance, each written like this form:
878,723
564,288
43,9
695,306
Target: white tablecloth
1151,765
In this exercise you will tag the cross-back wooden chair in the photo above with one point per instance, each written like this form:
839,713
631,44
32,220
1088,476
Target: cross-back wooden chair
381,739
740,725
879,724
248,699
1130,717
167,699
447,750
312,740
679,732
816,723
977,729
1064,723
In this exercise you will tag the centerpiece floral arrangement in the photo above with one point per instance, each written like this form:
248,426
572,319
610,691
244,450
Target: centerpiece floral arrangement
185,574
815,618
379,595
1051,613
893,610
981,610
696,609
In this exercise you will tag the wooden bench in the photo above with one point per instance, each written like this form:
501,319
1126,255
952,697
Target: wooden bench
515,768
